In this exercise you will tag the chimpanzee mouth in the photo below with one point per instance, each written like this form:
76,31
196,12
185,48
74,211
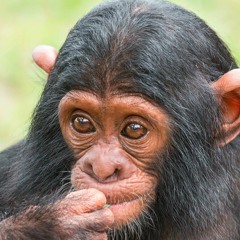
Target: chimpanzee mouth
126,210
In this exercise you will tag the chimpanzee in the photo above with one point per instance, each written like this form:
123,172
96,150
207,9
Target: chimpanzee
135,136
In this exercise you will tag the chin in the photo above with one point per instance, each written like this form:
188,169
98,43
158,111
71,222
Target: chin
133,220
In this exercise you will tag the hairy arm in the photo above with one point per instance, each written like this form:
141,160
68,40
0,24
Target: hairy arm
81,215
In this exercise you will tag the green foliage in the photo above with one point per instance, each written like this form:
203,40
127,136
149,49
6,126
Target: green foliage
26,24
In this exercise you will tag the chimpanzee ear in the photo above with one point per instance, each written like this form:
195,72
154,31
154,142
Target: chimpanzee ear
228,89
45,56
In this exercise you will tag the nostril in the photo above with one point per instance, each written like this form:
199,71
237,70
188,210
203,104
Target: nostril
99,170
87,168
116,172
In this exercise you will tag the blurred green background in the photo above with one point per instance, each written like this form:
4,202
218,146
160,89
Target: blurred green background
26,24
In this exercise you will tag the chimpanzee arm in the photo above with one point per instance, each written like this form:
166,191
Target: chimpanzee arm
81,215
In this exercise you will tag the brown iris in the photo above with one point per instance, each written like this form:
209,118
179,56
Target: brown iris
82,125
134,131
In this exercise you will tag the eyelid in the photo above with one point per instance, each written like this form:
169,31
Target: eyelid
137,120
81,113
96,123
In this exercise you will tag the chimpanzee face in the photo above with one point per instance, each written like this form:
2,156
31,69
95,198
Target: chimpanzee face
114,139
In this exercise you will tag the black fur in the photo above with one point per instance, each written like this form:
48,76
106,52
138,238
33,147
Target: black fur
166,54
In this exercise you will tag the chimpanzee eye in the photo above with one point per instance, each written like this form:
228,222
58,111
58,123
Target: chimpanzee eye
134,131
82,125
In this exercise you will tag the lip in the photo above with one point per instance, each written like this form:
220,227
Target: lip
124,203
121,202
126,211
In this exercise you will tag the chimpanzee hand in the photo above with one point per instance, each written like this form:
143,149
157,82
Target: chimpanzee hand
80,215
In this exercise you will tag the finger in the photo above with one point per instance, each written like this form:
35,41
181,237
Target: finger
94,236
86,200
45,56
88,235
98,221
98,236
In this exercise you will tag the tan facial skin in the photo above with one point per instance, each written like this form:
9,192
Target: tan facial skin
114,139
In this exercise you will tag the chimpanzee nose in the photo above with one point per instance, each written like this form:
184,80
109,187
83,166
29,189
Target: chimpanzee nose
107,164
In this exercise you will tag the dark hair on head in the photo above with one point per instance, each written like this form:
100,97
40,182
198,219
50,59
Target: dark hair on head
134,39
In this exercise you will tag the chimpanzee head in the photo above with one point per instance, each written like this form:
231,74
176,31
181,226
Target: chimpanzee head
137,107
